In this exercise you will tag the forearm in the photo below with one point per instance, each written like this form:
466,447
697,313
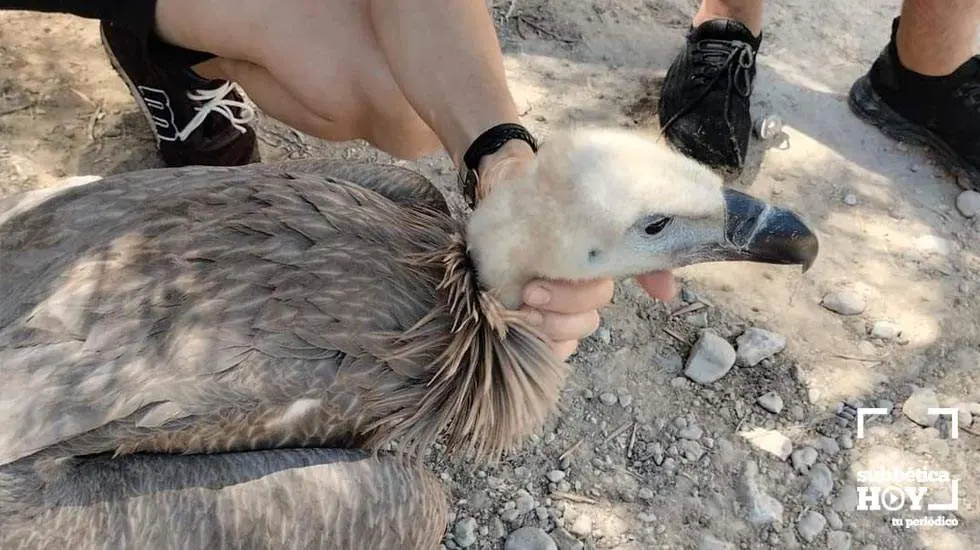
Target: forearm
446,59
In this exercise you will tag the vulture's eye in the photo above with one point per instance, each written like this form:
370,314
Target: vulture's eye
657,226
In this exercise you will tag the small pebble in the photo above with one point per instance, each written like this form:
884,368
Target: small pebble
497,529
698,319
968,203
771,402
914,167
542,513
692,450
833,519
885,330
529,538
916,407
838,540
850,199
555,476
690,432
688,296
604,335
645,494
805,457
845,302
608,398
821,484
711,358
810,525
525,502
845,441
464,533
847,499
582,526
756,344
770,441
625,400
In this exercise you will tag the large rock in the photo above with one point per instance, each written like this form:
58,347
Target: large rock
770,441
916,407
821,484
968,203
758,507
845,302
465,532
530,538
810,525
711,358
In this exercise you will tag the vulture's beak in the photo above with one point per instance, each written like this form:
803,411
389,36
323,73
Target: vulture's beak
759,232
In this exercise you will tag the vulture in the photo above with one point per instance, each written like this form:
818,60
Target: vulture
212,357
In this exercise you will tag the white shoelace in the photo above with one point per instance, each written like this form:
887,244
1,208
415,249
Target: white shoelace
217,102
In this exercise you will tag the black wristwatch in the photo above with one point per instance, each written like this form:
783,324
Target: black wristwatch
487,143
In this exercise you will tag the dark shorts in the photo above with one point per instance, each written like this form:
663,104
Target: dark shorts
135,15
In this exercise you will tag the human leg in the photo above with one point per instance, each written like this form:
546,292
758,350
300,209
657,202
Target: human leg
936,37
924,87
704,100
746,12
374,75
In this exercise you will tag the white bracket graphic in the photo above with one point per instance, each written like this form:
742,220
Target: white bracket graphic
954,414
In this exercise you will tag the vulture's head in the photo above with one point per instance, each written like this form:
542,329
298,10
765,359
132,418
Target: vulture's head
613,203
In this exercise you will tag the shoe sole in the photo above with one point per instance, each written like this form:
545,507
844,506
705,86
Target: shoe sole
133,90
869,107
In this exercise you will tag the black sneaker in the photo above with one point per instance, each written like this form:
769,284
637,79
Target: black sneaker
704,101
195,121
941,112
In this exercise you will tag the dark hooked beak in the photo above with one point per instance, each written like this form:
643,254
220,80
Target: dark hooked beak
759,232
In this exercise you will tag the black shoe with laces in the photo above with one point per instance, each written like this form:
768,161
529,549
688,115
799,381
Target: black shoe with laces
941,112
704,101
195,121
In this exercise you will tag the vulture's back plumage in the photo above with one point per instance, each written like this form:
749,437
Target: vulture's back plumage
225,309
283,499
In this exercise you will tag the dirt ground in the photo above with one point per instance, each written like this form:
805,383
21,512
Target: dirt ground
641,456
